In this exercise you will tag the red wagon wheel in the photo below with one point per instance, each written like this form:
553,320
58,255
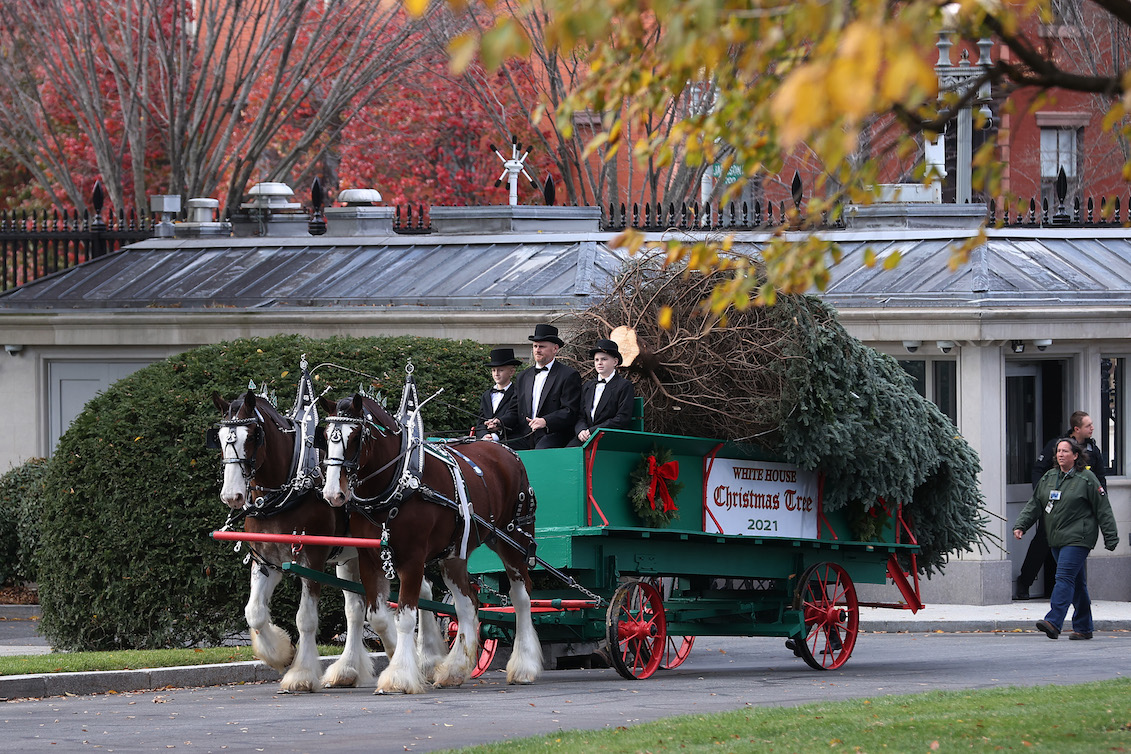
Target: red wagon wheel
636,630
676,648
827,598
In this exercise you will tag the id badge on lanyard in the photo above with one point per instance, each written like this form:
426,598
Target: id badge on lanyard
1054,495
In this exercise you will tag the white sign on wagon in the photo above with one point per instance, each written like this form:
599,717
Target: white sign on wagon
760,499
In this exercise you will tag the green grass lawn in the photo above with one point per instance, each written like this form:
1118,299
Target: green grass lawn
1091,717
129,659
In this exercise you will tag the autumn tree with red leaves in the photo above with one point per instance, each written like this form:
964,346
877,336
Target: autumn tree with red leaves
192,98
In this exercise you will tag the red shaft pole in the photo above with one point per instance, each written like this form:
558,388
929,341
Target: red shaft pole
298,539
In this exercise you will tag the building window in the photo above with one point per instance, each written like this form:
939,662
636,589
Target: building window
1112,427
1061,148
936,380
945,388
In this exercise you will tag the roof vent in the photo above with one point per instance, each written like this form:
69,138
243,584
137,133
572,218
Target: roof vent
268,212
359,217
270,196
359,197
202,220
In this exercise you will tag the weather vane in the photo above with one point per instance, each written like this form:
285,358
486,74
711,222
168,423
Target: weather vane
512,167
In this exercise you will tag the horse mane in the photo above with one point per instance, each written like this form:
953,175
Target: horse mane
262,404
380,414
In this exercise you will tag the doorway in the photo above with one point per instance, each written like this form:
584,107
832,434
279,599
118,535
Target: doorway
1036,410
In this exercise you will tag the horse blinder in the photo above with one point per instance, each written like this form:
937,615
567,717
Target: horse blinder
320,439
212,438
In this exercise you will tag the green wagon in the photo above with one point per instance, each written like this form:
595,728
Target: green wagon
750,552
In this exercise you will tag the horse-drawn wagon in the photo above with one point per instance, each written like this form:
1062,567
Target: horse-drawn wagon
642,543
748,552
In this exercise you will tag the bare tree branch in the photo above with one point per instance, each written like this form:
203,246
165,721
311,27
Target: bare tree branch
234,92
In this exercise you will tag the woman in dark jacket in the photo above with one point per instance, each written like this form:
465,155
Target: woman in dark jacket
1075,511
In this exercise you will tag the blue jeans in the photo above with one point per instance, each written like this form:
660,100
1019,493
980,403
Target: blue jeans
1071,588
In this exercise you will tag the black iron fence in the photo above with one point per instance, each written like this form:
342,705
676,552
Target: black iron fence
33,245
39,243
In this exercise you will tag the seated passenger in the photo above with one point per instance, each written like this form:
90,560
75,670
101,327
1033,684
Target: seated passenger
606,402
498,407
548,395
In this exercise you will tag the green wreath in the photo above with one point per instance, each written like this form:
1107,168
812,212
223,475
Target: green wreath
655,477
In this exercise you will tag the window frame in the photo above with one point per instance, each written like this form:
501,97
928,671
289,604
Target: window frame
1111,430
930,387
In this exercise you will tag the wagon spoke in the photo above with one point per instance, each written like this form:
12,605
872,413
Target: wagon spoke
636,630
827,598
676,648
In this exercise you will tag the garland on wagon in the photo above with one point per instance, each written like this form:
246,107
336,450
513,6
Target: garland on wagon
790,379
654,486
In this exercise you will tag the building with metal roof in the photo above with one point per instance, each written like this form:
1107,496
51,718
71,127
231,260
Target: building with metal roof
1035,325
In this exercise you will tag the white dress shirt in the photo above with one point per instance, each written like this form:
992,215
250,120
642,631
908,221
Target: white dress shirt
539,383
497,397
597,393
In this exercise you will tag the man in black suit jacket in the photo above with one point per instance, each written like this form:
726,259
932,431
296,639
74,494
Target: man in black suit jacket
548,395
606,401
498,407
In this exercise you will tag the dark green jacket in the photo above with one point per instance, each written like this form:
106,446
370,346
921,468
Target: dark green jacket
1078,517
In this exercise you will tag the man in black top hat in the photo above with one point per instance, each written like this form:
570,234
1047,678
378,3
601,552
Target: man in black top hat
606,400
498,407
548,395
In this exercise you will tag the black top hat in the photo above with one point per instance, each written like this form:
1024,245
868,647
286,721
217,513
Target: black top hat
547,333
606,346
503,357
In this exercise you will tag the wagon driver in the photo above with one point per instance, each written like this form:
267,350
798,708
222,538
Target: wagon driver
549,394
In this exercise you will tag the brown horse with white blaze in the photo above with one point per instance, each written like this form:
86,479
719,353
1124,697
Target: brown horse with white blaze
263,453
423,507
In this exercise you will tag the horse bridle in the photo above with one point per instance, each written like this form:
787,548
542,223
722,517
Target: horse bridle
350,466
247,465
270,499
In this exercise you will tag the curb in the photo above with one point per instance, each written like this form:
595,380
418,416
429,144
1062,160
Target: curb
101,682
38,685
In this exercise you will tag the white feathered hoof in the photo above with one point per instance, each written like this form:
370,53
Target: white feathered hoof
393,682
343,674
299,682
523,671
449,677
273,646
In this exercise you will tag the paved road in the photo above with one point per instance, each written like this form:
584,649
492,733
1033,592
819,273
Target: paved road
721,674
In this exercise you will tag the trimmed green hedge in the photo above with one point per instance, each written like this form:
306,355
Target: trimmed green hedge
21,497
132,493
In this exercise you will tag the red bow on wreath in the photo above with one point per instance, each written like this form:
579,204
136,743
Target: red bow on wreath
661,474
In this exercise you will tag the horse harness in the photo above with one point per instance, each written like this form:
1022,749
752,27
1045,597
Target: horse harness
305,470
408,480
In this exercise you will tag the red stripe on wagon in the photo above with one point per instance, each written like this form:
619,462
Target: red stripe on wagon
297,539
